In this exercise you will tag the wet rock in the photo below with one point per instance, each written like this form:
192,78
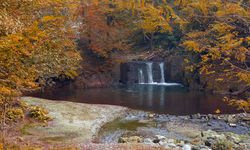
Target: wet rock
151,115
169,146
242,146
209,134
144,121
197,116
222,144
247,118
232,124
132,139
208,143
204,148
160,137
149,141
156,141
231,119
186,147
210,116
193,134
181,142
234,137
209,124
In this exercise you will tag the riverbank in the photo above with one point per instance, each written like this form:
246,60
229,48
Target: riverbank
179,132
93,126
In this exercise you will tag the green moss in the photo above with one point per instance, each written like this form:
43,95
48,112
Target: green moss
60,138
54,139
25,128
125,125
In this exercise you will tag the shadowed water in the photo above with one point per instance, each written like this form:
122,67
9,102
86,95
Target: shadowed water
174,99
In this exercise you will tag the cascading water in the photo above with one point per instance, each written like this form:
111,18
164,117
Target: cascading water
162,72
150,80
150,72
141,77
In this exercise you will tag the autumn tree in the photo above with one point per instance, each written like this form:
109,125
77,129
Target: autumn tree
103,31
35,45
219,32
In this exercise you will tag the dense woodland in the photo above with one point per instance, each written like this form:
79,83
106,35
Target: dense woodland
44,39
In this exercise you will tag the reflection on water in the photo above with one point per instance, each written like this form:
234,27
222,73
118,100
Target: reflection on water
160,99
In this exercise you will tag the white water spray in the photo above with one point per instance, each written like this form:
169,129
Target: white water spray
150,72
141,77
162,72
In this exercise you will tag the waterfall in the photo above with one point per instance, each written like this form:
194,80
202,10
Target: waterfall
141,77
148,68
162,72
150,72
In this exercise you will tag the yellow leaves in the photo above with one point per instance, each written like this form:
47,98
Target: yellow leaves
239,103
219,79
5,91
206,69
189,68
37,45
71,74
14,114
222,28
195,34
192,45
247,39
241,54
217,111
231,8
201,5
31,85
49,18
153,21
244,76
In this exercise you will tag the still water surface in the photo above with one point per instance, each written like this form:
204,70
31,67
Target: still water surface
162,99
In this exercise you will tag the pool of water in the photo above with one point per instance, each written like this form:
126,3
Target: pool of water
175,100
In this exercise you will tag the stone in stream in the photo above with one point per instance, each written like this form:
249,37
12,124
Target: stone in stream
186,147
149,141
232,124
231,119
169,146
160,137
132,139
151,115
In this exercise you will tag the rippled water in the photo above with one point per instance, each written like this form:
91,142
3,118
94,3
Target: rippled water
163,99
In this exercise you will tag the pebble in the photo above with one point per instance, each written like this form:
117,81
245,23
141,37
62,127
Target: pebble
186,147
160,137
232,124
